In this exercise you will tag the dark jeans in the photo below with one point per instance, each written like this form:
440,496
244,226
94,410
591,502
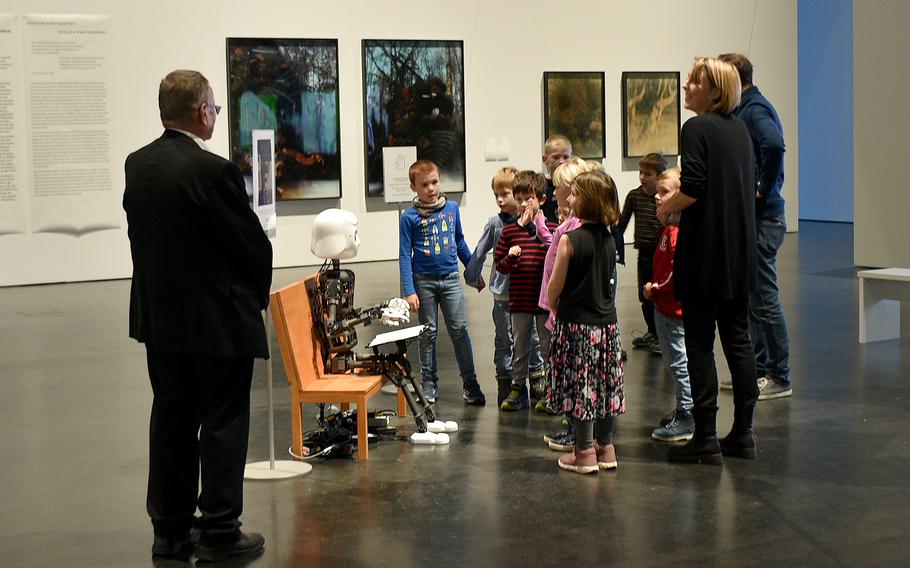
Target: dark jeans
645,273
769,326
200,415
731,318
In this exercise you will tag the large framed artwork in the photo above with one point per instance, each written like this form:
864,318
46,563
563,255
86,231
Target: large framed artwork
573,104
413,95
650,113
289,86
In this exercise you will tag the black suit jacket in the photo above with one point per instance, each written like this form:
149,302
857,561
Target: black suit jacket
202,265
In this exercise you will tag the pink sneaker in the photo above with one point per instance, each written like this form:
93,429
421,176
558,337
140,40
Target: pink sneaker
606,456
579,461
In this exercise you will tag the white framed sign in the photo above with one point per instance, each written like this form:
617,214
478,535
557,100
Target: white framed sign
396,160
264,179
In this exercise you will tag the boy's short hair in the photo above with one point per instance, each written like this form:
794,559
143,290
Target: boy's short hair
566,171
671,173
722,76
556,142
653,162
529,181
742,64
504,178
421,167
596,198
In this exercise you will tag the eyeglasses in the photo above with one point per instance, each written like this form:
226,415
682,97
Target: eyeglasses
214,106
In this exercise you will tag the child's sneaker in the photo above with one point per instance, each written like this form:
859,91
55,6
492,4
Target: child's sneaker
564,443
542,407
517,399
606,456
429,390
473,395
503,387
769,389
580,461
655,347
643,341
538,380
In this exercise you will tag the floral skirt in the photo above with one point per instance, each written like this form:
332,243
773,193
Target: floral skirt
585,371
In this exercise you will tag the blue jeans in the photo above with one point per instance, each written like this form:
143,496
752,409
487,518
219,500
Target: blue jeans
672,338
502,341
444,291
768,326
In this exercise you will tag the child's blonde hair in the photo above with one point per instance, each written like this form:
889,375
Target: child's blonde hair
671,173
556,142
504,178
596,198
566,171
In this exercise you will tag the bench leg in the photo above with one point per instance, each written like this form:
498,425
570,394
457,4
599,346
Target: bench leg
297,427
879,319
402,403
363,442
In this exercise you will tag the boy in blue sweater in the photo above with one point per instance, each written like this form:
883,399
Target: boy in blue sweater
430,245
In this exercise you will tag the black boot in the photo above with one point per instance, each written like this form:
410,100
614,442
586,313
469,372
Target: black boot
740,442
703,447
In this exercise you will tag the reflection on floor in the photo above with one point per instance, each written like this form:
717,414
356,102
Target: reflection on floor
830,486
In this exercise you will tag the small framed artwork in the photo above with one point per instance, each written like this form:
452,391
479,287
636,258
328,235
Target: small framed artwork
650,113
413,95
573,103
289,86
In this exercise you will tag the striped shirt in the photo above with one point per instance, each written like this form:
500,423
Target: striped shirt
647,227
526,271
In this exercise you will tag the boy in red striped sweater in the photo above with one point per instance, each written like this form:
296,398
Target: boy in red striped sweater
520,253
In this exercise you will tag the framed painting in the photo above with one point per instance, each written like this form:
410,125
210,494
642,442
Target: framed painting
289,86
650,113
573,103
413,95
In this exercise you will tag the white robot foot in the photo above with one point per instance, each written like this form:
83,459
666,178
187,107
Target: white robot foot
440,426
432,438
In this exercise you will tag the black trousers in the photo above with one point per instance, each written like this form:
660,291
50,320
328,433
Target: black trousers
731,318
200,417
645,267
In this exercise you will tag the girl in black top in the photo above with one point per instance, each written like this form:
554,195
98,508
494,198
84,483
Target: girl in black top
585,363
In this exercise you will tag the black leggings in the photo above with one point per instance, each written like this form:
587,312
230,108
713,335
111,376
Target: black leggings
586,430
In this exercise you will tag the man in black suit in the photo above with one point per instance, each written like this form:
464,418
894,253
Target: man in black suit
202,268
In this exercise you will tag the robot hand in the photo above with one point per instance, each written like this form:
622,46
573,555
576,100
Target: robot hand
396,312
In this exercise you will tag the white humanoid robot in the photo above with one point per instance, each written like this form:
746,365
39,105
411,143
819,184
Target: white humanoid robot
335,239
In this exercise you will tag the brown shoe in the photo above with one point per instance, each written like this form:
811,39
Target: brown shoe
579,461
606,456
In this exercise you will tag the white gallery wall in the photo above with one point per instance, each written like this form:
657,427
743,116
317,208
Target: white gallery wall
508,46
881,123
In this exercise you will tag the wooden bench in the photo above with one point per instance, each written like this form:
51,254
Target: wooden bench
880,294
301,351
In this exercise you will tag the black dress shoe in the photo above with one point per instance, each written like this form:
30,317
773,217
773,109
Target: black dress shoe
738,444
172,547
246,544
706,450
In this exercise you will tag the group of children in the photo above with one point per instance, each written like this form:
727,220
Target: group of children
554,286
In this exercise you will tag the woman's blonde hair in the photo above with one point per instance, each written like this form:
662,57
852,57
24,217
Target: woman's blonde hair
595,198
722,76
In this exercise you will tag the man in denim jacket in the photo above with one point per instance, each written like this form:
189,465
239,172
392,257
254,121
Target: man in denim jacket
767,321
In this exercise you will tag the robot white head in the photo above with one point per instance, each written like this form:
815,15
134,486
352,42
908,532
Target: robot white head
335,235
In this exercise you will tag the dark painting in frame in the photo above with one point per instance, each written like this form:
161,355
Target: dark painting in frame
288,85
574,107
413,95
650,113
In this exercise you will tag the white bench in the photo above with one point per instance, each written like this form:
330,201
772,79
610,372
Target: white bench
880,295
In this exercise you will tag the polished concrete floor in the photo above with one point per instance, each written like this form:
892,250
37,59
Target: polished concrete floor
830,486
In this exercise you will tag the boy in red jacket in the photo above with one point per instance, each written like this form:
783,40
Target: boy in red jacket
679,424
